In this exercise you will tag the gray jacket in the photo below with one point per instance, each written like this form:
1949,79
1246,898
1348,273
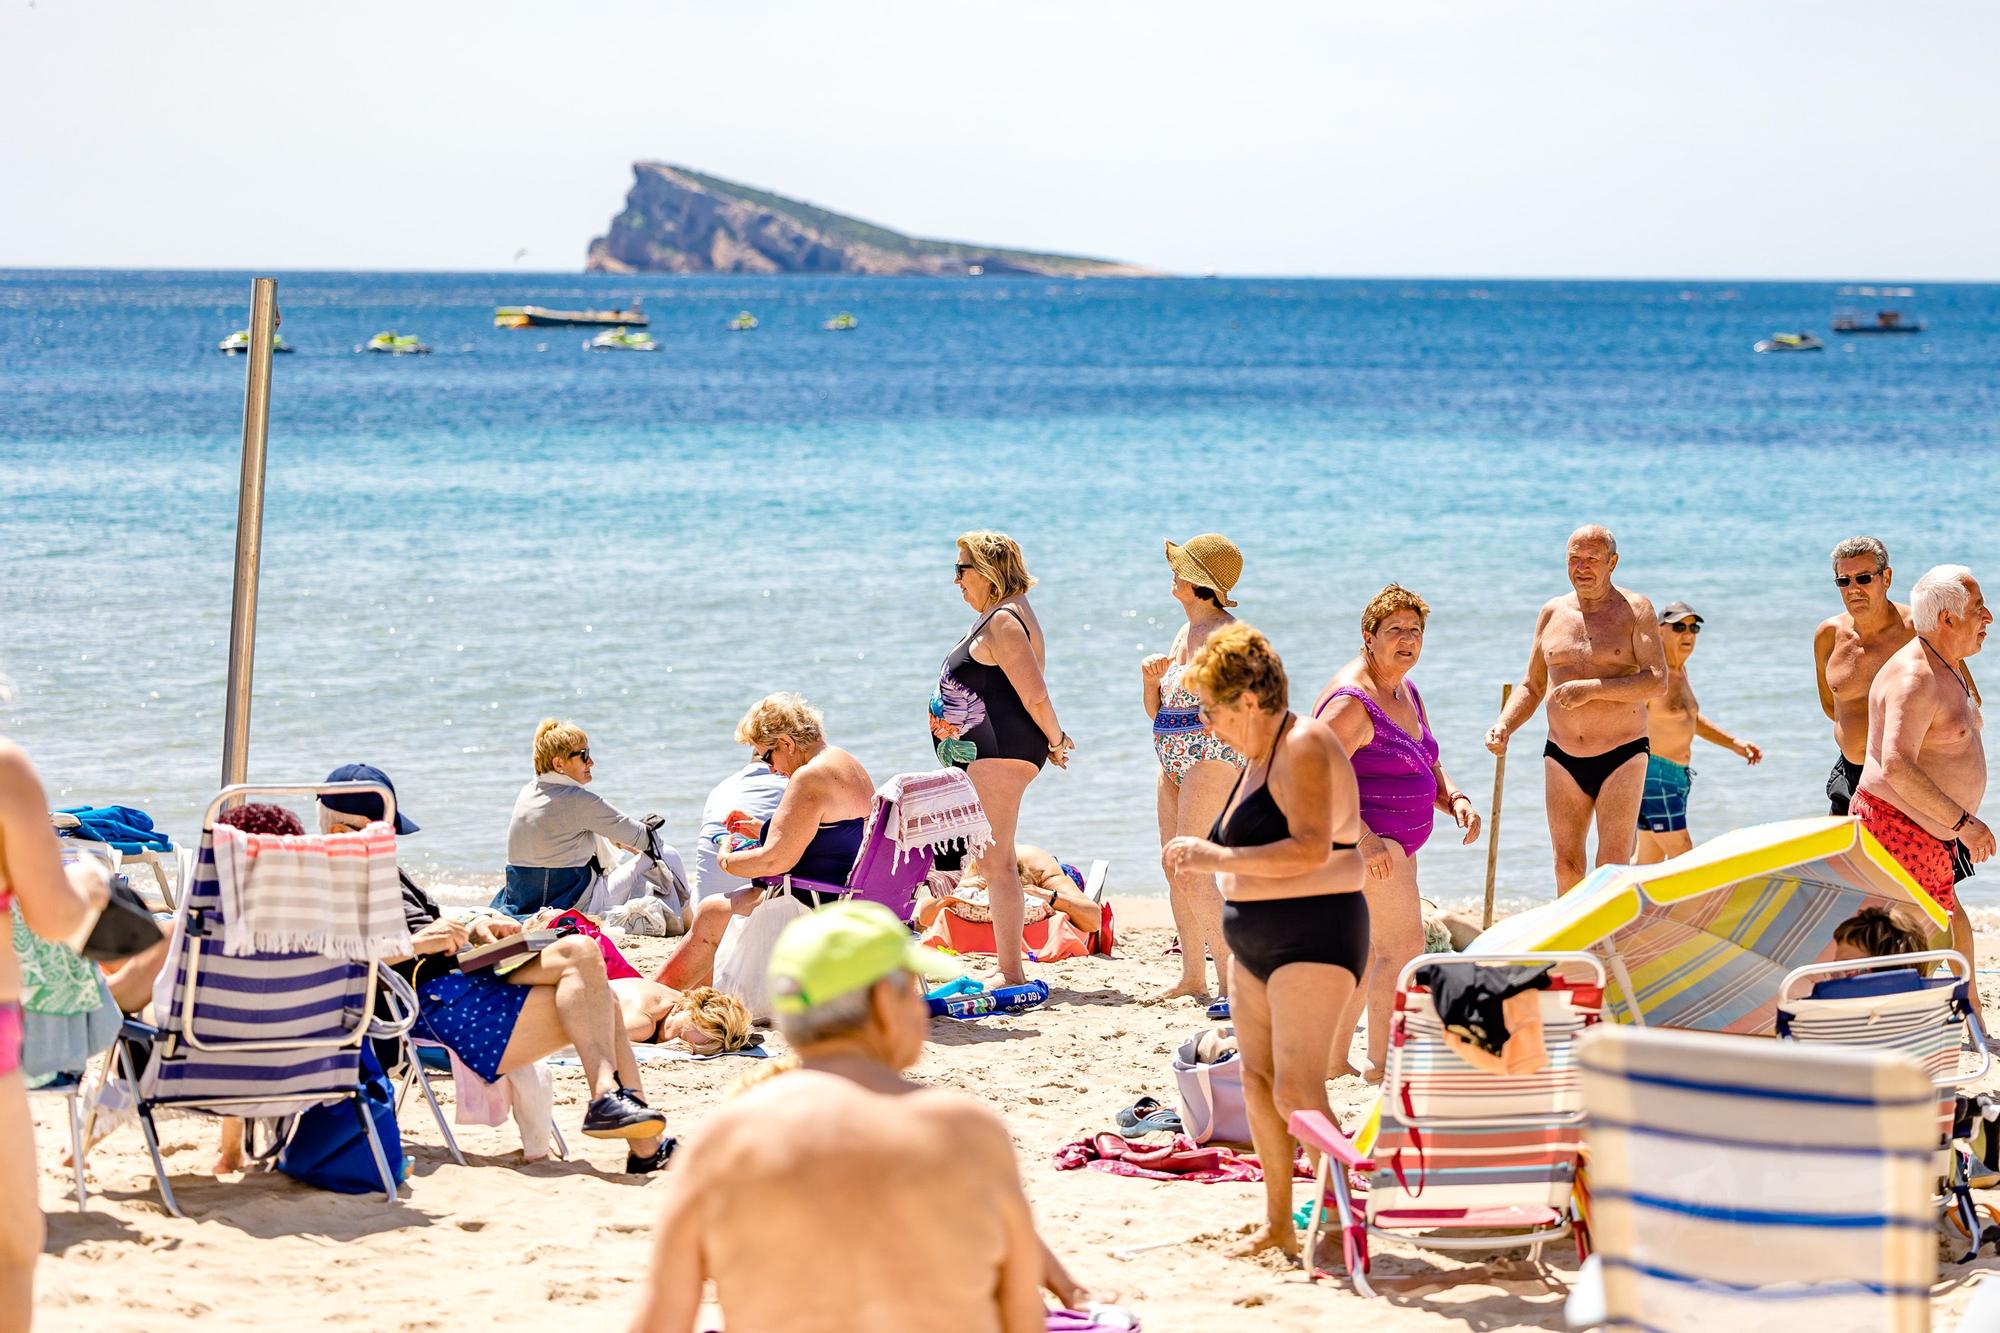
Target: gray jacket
557,821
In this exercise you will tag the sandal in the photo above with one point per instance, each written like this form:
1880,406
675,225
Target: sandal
1147,1116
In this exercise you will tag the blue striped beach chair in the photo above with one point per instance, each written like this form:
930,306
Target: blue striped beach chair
263,1036
1750,1185
1461,1159
1889,1004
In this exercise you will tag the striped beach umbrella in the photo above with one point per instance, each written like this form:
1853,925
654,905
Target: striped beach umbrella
1704,939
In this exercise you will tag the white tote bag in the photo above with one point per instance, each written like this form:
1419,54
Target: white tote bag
743,958
1212,1105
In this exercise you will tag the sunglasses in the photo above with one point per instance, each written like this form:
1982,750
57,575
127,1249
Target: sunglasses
765,758
960,572
1686,627
580,754
1861,580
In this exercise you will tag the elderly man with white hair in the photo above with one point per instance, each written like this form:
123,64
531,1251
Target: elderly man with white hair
1925,774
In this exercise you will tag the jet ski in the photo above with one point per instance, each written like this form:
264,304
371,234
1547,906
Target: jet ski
743,323
238,343
1790,342
841,323
396,344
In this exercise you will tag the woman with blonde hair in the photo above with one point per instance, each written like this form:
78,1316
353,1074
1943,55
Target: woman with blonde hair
552,838
55,902
1196,767
1282,850
815,833
1375,710
992,717
708,1021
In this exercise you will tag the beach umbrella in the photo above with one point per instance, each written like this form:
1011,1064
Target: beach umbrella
1703,940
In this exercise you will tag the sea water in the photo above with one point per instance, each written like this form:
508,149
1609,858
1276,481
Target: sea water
512,528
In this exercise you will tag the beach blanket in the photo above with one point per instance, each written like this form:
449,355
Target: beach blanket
332,894
937,809
1180,1159
1049,940
122,826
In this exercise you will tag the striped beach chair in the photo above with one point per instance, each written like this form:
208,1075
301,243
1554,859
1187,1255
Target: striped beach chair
1750,1185
1889,1004
1462,1158
263,1036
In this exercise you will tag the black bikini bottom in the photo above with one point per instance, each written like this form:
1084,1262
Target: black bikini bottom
1267,933
1591,770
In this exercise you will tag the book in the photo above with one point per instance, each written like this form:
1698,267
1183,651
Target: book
519,947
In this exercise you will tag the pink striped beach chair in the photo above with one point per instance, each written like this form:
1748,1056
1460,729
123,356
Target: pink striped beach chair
1462,1158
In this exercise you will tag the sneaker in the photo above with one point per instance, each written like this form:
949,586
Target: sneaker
622,1115
636,1165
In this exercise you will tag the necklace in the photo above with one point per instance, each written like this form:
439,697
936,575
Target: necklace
1948,666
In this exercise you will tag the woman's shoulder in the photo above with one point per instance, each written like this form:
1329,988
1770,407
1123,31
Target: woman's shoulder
1311,740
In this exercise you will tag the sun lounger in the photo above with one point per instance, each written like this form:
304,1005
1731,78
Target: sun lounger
1750,1185
1888,1004
1464,1159
260,1035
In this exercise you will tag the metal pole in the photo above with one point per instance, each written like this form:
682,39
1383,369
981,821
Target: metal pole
249,530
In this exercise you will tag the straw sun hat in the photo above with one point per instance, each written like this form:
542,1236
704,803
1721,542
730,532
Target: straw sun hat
1210,560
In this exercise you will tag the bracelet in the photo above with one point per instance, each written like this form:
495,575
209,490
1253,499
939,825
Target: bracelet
1454,798
1057,744
1961,821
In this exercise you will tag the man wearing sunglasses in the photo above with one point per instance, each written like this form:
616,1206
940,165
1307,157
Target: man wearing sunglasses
1673,720
1848,649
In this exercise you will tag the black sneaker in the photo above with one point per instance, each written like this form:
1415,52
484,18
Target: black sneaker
636,1165
621,1115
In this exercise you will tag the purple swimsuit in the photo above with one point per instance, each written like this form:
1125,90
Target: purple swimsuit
1393,772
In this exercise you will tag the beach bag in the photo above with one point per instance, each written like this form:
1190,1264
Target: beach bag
656,872
743,958
328,1149
1212,1107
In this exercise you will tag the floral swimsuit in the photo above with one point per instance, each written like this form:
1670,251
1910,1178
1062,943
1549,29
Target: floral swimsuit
1179,738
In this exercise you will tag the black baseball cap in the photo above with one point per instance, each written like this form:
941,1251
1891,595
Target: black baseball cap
364,803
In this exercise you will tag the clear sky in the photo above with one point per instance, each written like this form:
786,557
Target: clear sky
1688,138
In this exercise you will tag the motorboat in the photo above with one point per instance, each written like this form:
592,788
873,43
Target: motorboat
1791,342
539,317
622,340
841,323
238,344
396,344
1885,321
743,323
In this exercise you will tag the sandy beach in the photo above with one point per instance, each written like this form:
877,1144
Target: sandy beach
565,1244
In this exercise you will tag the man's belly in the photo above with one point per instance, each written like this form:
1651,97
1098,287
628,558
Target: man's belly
1595,727
1850,728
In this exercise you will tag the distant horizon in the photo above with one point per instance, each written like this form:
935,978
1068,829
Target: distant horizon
613,278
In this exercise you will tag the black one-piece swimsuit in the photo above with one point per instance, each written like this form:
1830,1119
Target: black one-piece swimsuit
1265,934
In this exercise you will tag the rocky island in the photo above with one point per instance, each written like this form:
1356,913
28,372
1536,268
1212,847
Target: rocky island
681,221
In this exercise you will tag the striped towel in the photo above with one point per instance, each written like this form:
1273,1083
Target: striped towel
935,809
331,894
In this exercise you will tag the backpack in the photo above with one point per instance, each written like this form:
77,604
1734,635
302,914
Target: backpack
327,1148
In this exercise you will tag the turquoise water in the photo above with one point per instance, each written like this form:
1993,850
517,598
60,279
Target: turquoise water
460,544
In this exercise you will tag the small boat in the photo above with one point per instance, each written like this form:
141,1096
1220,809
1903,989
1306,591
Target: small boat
537,317
841,323
743,323
396,344
619,340
1886,321
238,343
1791,342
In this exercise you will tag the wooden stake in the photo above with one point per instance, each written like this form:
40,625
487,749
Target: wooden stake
1493,821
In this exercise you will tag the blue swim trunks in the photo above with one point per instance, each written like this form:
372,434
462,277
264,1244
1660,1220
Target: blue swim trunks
1664,807
473,1014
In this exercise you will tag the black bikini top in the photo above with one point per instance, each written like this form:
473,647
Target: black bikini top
1258,822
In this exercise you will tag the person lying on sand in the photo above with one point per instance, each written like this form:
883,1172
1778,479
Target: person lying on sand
909,1194
1046,886
707,1020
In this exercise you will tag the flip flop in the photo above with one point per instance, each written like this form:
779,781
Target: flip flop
1136,1112
1219,1011
1162,1119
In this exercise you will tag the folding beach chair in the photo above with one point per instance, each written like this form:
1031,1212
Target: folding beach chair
171,866
1463,1159
264,1036
1750,1185
415,1072
882,874
1888,1004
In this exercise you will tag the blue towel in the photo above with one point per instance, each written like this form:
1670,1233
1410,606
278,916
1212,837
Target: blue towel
123,827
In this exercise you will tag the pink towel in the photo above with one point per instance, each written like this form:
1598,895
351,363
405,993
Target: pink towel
479,1102
1182,1159
527,1094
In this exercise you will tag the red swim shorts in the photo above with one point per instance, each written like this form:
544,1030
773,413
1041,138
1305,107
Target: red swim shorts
1927,859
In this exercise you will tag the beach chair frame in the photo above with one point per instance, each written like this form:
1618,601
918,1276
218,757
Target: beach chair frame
416,1073
1338,1154
879,875
70,1089
182,1030
1956,1195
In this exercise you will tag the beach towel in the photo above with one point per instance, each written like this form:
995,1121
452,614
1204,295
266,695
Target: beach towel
1182,1159
331,894
122,826
937,809
528,1095
1050,940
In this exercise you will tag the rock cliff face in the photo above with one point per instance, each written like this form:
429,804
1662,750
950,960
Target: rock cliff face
680,221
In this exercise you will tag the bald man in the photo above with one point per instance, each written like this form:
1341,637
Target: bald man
1596,662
